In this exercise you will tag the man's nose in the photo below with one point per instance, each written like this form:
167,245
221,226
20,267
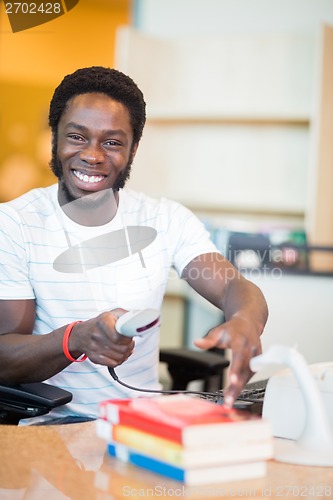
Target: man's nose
92,154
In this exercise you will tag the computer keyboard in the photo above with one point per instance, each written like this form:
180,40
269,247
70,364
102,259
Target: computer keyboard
254,391
251,398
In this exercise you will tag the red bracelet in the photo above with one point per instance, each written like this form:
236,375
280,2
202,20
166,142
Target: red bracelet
65,339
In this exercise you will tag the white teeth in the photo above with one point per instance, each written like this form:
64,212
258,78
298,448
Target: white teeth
88,178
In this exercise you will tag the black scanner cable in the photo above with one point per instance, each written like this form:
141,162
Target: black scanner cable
162,391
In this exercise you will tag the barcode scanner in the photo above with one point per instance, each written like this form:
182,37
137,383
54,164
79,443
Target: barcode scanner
137,322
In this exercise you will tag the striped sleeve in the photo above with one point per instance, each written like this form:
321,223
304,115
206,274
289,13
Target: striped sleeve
188,237
14,261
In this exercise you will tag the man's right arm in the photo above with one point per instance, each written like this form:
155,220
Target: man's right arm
25,357
33,358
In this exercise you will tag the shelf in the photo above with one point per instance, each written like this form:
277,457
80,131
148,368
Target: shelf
237,124
160,119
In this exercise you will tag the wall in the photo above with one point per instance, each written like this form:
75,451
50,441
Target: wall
82,37
182,18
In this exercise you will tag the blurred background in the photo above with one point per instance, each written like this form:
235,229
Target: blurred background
239,128
32,64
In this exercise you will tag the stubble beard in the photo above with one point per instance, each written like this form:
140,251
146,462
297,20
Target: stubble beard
90,200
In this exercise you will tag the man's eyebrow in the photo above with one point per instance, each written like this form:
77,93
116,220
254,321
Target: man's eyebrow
84,129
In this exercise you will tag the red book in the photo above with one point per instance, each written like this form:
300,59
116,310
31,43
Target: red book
184,419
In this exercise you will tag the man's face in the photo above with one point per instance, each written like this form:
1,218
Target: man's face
94,151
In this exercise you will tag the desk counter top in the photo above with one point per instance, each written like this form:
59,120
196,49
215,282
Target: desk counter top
70,461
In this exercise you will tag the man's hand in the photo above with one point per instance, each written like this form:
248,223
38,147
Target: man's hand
244,308
100,341
239,336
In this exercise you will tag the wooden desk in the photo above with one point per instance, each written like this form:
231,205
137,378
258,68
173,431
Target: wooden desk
69,461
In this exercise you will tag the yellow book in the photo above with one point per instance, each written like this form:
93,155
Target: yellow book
178,455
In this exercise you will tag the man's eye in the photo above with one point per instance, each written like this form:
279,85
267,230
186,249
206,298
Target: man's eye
75,137
112,143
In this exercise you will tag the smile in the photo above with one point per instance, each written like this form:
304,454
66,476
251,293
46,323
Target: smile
88,178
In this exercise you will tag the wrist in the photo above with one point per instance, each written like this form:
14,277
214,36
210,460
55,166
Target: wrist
65,344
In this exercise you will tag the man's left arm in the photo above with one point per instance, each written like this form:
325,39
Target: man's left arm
245,311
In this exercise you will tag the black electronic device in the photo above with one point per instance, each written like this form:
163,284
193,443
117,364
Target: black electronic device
251,398
30,400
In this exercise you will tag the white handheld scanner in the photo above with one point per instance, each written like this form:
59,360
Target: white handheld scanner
138,322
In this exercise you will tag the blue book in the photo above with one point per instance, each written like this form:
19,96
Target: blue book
190,476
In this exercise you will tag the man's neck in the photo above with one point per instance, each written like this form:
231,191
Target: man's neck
95,209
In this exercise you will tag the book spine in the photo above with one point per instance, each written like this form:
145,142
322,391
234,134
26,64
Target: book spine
207,475
116,415
125,454
136,438
188,432
180,456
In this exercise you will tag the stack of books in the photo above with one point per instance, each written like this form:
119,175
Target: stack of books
188,439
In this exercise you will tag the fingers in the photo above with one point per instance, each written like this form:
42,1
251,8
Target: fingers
239,375
216,337
104,345
239,371
110,349
118,312
110,357
244,344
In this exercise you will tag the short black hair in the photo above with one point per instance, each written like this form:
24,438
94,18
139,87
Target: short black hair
109,81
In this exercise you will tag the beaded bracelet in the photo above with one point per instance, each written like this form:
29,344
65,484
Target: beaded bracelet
65,339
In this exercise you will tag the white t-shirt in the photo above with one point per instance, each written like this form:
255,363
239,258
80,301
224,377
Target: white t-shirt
37,242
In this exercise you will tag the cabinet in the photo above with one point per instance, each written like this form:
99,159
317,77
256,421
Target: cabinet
319,210
232,121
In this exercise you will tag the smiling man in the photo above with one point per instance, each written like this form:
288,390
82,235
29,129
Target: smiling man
58,321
